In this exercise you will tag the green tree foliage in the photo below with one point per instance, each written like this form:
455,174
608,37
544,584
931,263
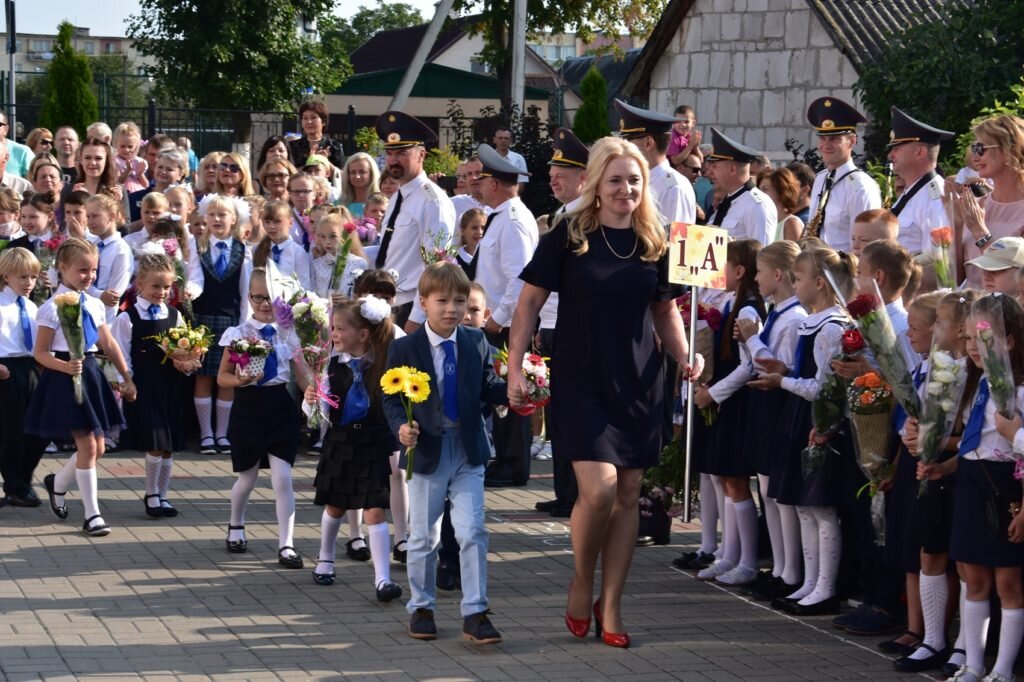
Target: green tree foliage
69,97
348,34
237,54
591,122
585,18
1012,105
944,72
117,82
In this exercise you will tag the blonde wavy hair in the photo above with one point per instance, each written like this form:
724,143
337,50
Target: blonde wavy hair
1008,132
646,223
348,192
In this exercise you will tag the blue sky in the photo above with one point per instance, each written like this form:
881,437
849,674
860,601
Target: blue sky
106,17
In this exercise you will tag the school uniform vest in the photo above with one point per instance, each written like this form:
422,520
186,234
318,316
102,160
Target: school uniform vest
221,296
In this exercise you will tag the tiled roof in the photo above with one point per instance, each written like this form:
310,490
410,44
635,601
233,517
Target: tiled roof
862,28
395,48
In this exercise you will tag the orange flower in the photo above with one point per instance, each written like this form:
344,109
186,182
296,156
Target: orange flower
942,236
866,399
872,380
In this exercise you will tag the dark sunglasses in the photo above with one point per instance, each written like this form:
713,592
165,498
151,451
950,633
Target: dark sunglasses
233,167
978,149
46,143
276,176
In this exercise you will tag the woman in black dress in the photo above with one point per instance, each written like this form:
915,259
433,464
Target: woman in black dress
609,266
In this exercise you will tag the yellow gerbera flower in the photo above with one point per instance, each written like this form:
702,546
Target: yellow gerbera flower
423,376
416,388
394,379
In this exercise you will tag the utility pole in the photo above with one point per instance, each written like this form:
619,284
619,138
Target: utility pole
420,58
517,40
12,47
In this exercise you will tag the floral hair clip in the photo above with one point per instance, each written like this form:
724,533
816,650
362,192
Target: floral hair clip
374,309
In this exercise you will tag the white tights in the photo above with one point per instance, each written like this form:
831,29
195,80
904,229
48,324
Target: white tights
284,496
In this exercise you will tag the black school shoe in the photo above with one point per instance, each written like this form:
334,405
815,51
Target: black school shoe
29,500
934,661
873,622
421,625
388,590
400,555
292,560
478,629
825,607
693,561
60,511
448,578
357,553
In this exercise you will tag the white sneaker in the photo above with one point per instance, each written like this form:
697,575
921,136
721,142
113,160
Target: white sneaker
741,575
720,567
545,453
538,444
992,677
965,674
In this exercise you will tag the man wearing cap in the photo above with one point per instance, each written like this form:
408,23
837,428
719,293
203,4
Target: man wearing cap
509,240
651,132
841,191
567,171
419,214
745,211
1000,264
914,152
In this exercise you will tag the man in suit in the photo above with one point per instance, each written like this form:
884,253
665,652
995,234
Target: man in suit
446,446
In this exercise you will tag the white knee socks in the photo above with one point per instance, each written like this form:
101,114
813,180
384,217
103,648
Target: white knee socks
1010,631
829,551
240,492
709,511
380,551
399,501
958,658
329,527
745,514
204,412
164,482
720,500
790,522
355,523
223,416
284,496
974,620
63,479
153,466
771,517
87,486
809,542
730,535
934,595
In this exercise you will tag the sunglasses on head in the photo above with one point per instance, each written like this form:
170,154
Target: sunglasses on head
978,149
233,167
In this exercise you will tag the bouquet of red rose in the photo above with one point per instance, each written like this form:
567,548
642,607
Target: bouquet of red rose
867,310
537,379
46,254
827,407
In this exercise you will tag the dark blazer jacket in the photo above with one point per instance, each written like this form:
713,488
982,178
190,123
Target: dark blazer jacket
477,384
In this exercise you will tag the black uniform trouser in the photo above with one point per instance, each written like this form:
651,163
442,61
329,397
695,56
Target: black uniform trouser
512,436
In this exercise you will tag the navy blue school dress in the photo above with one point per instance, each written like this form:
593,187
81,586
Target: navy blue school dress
155,417
984,483
608,402
354,471
787,484
727,451
264,417
53,412
219,306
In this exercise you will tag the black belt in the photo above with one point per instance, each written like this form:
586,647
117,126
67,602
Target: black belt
65,355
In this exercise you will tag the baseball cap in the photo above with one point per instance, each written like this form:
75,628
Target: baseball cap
316,160
1007,252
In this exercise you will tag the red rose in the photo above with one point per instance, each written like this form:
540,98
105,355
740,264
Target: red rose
350,227
862,305
853,342
713,317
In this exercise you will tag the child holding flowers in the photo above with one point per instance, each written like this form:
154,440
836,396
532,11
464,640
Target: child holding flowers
816,495
264,422
446,449
226,265
73,397
727,458
988,526
776,341
354,467
929,516
337,256
155,418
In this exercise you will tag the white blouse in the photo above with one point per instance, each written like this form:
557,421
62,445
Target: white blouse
47,317
285,344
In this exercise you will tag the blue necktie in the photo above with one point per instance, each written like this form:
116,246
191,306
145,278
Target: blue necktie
270,367
153,309
90,334
972,431
773,316
275,253
899,416
801,350
357,400
221,264
450,381
26,323
100,246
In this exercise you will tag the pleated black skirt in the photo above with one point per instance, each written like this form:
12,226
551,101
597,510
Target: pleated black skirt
264,421
54,414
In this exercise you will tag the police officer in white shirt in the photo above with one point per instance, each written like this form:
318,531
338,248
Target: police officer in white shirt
914,152
651,132
506,248
842,191
745,211
419,213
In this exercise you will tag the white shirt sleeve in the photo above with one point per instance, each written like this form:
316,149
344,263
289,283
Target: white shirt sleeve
516,249
121,330
196,278
736,379
826,344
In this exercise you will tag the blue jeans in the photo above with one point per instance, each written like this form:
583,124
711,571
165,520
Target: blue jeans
463,484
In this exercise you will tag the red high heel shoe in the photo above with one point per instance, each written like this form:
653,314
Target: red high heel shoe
619,640
577,626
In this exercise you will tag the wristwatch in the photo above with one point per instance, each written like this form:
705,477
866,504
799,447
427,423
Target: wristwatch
984,240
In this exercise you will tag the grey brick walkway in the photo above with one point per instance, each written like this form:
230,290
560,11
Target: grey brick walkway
163,600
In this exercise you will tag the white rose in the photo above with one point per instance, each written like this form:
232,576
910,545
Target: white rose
300,309
243,346
943,376
942,360
948,405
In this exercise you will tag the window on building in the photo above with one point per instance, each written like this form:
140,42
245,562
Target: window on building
89,48
37,45
477,66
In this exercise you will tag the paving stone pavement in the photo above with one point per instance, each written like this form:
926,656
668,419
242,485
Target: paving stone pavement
163,600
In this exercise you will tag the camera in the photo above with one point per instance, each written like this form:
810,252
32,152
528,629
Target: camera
979,189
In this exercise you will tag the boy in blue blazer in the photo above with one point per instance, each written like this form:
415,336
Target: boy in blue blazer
449,435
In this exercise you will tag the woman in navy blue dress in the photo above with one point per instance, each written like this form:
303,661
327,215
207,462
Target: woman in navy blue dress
608,263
